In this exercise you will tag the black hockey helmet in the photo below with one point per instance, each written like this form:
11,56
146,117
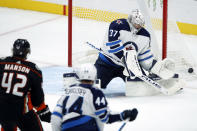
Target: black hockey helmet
21,48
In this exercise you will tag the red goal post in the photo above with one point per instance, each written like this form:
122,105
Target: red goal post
70,33
165,27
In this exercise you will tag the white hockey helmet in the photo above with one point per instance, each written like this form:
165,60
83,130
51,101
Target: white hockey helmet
87,72
136,18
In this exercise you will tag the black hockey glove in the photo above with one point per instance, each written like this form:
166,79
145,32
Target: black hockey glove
45,114
129,114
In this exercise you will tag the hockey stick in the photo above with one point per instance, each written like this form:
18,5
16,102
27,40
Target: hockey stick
116,60
122,126
146,79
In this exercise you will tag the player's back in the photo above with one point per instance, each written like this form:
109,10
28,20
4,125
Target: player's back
82,97
80,101
17,77
86,98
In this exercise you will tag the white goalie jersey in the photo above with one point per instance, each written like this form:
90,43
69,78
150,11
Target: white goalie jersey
120,36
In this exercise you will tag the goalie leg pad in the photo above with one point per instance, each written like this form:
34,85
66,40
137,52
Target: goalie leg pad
141,88
132,64
69,79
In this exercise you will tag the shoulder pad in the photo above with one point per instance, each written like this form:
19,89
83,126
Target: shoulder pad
143,32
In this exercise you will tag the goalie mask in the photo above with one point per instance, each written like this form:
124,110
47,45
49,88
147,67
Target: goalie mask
21,48
136,19
87,72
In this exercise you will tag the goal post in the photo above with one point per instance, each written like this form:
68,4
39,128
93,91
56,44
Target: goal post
69,33
165,27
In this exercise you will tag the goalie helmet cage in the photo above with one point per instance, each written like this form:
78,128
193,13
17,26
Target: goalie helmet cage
167,43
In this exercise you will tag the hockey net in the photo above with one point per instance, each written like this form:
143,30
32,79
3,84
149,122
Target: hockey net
90,24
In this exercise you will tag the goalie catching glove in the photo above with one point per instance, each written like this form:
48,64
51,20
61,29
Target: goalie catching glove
44,113
164,69
129,114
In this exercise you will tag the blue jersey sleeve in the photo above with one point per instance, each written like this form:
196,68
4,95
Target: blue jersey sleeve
101,108
99,101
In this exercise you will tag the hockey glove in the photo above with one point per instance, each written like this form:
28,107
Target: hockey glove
129,114
45,114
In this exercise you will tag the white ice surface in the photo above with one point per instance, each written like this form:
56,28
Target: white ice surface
47,34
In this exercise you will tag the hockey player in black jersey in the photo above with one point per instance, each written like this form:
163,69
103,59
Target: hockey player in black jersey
84,107
21,91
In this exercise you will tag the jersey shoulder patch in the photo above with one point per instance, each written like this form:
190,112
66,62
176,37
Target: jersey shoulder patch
120,24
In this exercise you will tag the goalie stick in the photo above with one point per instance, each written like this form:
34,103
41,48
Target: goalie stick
146,79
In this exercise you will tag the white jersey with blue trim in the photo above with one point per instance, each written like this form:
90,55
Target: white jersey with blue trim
82,101
115,43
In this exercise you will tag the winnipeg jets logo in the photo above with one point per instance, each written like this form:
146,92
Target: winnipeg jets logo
119,22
